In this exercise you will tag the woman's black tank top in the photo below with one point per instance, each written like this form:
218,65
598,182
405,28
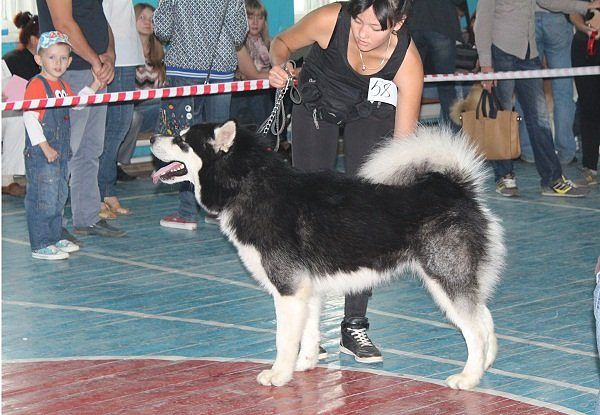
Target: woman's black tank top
332,87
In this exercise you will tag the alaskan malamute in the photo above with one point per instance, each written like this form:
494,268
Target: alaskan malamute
418,206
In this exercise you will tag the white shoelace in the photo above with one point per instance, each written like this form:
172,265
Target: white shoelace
360,335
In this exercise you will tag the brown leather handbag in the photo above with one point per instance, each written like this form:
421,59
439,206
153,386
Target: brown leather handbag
494,131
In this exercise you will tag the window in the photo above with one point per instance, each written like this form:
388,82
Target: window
302,7
8,9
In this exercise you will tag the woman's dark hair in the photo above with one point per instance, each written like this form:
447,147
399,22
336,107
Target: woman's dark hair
29,26
386,11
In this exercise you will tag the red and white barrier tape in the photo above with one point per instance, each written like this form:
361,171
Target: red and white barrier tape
139,95
239,86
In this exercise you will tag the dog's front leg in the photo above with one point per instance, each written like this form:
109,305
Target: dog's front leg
291,311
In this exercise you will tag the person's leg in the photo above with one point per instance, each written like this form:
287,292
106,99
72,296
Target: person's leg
147,114
87,141
503,61
555,34
442,55
118,121
526,150
127,147
530,93
176,115
360,137
211,108
41,198
588,89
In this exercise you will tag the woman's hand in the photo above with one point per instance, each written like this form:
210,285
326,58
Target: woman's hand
278,76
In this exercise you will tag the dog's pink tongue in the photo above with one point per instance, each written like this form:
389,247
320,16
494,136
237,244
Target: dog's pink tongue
160,172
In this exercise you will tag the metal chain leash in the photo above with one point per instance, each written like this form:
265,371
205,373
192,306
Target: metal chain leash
275,123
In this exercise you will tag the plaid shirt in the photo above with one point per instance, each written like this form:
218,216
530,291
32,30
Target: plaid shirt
191,28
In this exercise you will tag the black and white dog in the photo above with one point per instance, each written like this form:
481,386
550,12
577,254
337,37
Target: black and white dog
418,206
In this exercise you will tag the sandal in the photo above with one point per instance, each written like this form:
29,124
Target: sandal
106,212
116,208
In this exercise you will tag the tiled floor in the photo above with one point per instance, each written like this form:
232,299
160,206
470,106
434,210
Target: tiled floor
169,322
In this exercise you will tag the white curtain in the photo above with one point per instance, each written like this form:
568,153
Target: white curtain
302,7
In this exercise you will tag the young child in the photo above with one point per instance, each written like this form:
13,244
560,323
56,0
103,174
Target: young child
47,149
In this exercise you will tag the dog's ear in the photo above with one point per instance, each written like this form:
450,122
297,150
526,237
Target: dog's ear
184,132
224,136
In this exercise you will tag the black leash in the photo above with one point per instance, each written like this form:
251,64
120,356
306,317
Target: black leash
275,123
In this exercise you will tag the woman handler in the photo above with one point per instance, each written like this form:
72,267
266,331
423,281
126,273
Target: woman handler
364,75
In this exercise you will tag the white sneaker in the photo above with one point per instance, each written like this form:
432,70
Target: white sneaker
67,246
50,253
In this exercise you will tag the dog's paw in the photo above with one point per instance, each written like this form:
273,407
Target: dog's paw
462,381
270,377
306,362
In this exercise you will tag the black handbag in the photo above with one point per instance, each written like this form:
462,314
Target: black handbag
466,57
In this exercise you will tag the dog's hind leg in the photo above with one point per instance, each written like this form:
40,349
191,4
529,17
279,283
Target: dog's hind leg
469,318
309,346
291,312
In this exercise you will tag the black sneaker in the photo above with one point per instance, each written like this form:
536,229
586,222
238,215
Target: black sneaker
356,342
100,228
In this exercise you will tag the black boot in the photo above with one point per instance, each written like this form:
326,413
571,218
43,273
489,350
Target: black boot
356,342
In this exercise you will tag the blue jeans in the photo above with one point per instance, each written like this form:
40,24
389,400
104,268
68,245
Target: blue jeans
530,93
204,108
47,192
553,36
118,120
438,53
252,107
145,118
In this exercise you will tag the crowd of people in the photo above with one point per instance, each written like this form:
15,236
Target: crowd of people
89,46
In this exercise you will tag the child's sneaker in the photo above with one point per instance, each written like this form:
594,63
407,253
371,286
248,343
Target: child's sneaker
67,246
50,253
564,187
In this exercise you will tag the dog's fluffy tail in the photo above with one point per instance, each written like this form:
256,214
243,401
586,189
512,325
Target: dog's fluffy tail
429,149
